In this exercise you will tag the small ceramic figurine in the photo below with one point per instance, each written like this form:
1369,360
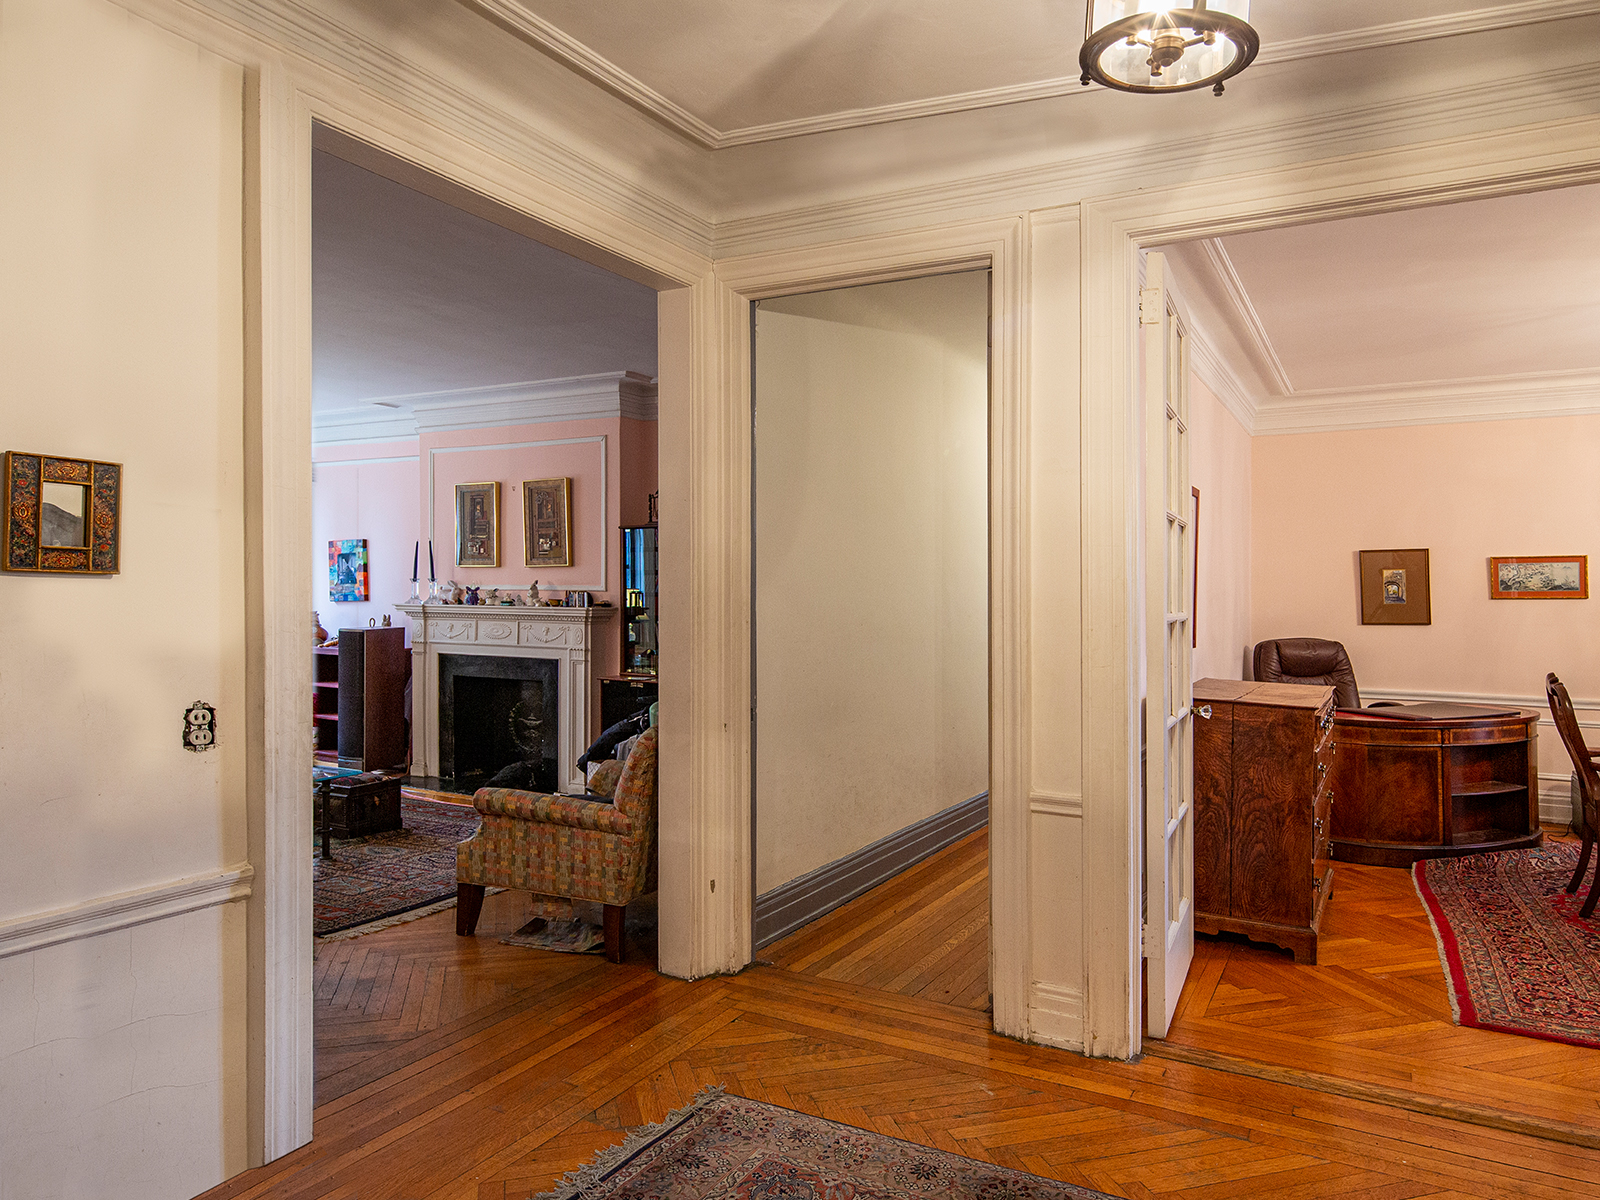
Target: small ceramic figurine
318,633
457,592
472,595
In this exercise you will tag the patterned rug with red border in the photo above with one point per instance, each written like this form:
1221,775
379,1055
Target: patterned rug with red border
1517,957
383,877
729,1148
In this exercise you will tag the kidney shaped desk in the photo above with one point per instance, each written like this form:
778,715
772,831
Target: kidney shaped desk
1433,781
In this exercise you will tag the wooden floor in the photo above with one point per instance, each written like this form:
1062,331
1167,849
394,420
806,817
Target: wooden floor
925,933
455,1068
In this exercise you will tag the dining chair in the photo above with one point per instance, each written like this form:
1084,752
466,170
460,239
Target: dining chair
1583,761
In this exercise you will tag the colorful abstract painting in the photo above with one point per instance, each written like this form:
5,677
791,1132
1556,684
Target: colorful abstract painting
347,570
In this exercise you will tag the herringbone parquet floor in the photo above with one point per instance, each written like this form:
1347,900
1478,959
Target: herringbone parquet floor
451,1069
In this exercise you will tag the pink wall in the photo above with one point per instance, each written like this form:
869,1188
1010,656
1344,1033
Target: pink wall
366,492
1466,492
1220,466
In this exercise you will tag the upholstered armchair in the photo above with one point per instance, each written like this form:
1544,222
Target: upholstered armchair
565,848
1310,661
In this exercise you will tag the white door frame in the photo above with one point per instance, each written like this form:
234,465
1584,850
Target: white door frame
1114,229
998,246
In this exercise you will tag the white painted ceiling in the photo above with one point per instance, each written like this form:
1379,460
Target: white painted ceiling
1501,293
411,295
728,71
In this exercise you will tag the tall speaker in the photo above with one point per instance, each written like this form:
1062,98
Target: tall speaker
373,664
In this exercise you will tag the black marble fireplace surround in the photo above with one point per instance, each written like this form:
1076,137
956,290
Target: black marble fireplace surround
497,721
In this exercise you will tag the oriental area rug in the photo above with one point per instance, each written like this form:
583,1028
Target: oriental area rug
1516,955
728,1148
385,878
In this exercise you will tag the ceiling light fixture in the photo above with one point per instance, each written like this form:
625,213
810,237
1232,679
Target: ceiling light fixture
1157,46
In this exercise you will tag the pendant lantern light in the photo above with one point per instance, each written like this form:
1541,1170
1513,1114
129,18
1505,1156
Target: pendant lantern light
1162,46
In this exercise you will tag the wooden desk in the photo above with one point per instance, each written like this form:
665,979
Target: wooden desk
1404,790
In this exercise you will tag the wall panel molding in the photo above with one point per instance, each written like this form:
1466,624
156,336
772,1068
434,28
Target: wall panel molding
20,935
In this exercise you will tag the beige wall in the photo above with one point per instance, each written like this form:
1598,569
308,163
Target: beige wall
871,562
1466,492
1220,465
121,324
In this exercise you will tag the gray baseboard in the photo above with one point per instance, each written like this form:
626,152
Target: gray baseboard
788,906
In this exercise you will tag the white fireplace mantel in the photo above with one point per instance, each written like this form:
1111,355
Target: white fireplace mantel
564,634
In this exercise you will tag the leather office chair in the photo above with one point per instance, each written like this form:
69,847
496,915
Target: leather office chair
1310,661
1583,761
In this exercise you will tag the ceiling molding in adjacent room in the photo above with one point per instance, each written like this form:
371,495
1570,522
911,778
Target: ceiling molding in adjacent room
1506,398
1244,311
518,18
625,394
1213,370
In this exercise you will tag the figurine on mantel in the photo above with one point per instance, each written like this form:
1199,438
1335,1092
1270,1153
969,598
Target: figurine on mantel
472,595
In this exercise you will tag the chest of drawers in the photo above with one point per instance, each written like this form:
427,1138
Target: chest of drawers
1263,761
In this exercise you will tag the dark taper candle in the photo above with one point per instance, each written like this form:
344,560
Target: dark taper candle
416,555
430,560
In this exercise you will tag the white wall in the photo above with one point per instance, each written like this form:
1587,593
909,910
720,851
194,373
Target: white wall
1219,465
369,492
122,1037
871,565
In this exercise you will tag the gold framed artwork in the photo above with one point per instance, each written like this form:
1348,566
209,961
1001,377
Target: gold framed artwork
62,515
1394,588
477,524
547,522
1550,577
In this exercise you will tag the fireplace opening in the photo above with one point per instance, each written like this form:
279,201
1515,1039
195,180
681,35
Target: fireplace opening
498,721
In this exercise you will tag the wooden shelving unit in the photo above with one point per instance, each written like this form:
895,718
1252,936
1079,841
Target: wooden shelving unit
325,699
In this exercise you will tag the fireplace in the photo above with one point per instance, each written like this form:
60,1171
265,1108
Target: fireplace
498,721
558,639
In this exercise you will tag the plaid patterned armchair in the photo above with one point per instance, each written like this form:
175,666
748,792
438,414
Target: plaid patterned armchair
565,848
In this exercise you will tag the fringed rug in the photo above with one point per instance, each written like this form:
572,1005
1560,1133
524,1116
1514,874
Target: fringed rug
1517,957
725,1147
384,878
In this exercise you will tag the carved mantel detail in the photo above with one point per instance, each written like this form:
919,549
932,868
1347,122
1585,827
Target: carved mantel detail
564,634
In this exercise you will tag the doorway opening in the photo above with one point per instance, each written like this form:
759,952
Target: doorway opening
485,443
1359,384
871,634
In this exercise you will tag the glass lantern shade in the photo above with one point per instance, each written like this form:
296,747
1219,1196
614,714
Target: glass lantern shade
1166,45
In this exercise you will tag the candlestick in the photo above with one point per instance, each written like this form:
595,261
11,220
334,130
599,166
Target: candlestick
416,553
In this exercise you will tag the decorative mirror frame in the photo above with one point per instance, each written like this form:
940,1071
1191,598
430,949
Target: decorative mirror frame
25,477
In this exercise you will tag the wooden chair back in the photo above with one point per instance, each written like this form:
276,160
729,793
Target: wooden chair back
1572,737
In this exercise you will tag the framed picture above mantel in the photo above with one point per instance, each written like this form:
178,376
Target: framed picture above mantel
477,524
547,522
1395,588
1550,577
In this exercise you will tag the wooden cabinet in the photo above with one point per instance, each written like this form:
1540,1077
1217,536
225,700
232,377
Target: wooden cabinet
373,666
1458,782
1263,801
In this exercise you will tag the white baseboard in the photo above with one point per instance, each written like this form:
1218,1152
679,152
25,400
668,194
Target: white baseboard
38,930
1055,1016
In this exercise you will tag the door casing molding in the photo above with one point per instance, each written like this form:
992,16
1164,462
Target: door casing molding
1114,230
998,245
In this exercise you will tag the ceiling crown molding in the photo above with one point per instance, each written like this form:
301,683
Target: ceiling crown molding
518,18
613,394
1244,311
1441,402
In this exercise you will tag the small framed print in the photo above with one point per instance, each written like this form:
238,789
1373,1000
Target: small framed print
477,524
547,522
1551,577
61,515
347,570
1394,588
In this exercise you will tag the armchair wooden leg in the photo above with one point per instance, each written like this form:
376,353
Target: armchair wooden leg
469,903
614,915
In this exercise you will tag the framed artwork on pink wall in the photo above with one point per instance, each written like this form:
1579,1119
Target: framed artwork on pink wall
347,570
547,522
1395,588
1552,577
477,524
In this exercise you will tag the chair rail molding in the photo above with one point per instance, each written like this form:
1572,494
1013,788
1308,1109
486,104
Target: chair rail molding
1114,228
20,935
